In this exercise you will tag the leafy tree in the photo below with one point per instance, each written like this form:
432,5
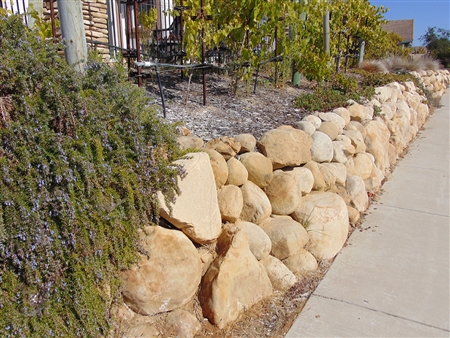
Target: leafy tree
256,30
437,41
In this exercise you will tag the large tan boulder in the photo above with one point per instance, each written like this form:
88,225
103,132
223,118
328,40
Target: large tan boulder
280,276
373,183
219,167
166,278
322,147
359,112
182,324
353,215
377,143
357,191
142,330
341,151
231,202
334,118
328,174
287,236
196,210
305,179
258,241
315,120
301,263
325,217
344,113
247,141
237,173
330,129
319,180
402,119
383,93
422,114
257,206
356,139
338,170
413,99
190,142
235,280
361,165
283,192
388,110
259,168
286,146
355,125
306,126
226,148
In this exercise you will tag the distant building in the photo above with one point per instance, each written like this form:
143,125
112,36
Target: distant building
404,28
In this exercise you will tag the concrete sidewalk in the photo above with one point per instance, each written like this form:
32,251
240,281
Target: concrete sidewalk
392,280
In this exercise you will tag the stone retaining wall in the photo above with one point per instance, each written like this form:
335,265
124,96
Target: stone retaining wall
257,215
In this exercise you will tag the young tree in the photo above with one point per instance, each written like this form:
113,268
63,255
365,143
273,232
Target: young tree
437,41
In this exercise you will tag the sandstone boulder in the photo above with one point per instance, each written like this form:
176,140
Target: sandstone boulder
341,151
196,210
361,165
353,215
225,148
338,170
234,282
316,121
334,118
387,110
231,202
422,114
355,125
167,278
359,112
328,174
181,324
287,236
325,216
356,139
190,142
301,263
237,173
247,141
280,276
322,147
330,129
357,192
319,180
259,168
142,330
286,146
257,206
305,179
219,167
259,243
283,192
306,126
344,113
377,143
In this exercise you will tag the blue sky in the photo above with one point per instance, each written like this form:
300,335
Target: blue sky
426,13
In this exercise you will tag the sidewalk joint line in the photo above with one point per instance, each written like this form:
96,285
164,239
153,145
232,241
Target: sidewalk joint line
407,209
383,312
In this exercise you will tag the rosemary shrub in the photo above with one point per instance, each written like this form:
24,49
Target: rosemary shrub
82,157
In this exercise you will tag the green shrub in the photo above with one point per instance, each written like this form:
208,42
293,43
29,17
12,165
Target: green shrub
81,160
335,93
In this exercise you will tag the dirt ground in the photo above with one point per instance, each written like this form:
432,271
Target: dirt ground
225,113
